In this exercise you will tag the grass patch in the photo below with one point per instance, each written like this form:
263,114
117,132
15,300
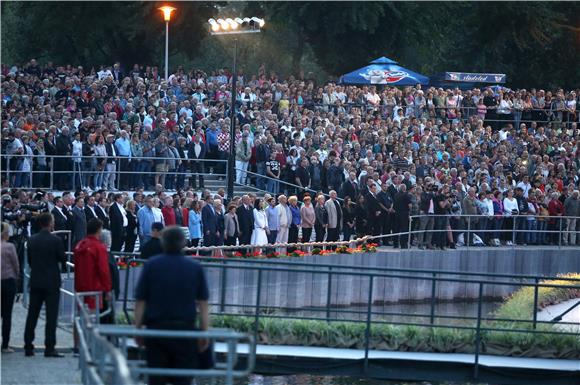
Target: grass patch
351,335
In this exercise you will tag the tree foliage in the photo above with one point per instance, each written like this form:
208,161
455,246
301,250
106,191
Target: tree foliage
93,33
536,44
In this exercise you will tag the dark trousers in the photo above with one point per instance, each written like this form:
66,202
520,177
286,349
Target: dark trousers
403,227
196,168
130,242
171,353
333,235
306,234
439,235
319,233
49,297
292,236
117,240
124,176
8,294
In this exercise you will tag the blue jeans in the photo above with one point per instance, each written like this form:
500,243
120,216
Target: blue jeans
273,186
261,170
531,235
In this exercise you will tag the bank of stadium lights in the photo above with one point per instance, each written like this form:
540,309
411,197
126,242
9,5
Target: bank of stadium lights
238,25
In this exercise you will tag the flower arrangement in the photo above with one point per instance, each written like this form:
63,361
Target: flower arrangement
368,247
297,253
343,249
125,263
247,254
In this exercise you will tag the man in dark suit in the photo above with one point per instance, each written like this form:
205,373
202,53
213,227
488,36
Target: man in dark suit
119,223
374,212
195,152
79,231
60,217
386,204
349,187
402,205
90,208
102,210
246,220
45,253
63,163
209,221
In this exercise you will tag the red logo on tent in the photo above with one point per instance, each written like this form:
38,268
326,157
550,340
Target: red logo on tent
384,77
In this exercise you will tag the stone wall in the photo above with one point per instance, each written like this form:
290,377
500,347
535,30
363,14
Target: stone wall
310,289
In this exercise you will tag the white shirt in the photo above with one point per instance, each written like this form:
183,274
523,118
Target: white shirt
123,213
77,150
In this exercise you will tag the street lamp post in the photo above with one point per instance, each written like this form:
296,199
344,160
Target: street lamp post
235,26
167,16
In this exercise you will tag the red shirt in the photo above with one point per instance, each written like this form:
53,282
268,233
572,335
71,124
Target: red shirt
92,271
168,215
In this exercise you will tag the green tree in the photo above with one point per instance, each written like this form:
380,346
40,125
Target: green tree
91,33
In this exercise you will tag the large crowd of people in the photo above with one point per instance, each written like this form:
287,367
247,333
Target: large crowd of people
337,161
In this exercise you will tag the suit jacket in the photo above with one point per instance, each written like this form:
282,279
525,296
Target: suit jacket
79,230
103,217
116,222
231,227
333,210
245,219
209,220
63,145
109,149
191,151
347,189
372,206
60,220
45,253
89,213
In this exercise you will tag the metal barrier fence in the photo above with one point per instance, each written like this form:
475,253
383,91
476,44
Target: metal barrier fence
82,173
104,354
259,274
515,116
522,229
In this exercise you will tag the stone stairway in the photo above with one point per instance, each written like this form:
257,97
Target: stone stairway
213,183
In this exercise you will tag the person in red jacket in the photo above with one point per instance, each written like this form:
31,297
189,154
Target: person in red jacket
91,259
555,209
168,212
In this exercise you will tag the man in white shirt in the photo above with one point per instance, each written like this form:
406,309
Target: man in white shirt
284,221
525,185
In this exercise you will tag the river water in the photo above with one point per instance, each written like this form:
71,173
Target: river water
327,380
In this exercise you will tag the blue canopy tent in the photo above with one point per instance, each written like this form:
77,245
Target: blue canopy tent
384,71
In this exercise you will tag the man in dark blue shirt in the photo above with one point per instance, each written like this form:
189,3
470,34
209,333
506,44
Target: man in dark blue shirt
170,291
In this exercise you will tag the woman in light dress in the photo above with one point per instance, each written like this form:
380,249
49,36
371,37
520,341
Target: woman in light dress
260,233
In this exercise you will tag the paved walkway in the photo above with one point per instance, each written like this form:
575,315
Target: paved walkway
572,317
38,370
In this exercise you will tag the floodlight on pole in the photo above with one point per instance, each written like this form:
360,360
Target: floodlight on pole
234,26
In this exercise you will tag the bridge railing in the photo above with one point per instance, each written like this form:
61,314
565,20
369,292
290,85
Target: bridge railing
257,277
104,350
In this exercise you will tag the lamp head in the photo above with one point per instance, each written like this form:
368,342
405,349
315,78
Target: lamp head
167,9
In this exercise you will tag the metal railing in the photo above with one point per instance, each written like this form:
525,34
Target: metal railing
77,174
516,228
222,369
259,275
104,350
100,362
